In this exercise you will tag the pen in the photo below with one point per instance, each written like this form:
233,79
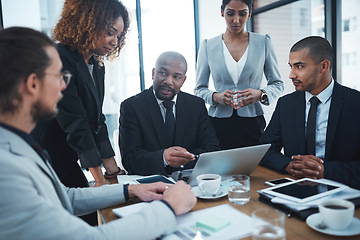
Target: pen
180,172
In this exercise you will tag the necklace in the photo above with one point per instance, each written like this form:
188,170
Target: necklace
236,42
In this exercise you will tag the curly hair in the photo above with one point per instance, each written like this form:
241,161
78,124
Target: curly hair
83,24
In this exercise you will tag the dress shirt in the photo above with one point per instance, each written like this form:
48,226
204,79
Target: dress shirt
162,107
235,68
321,117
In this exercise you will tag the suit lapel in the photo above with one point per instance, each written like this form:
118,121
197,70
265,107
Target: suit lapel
217,59
337,100
247,71
84,71
299,114
181,119
154,113
21,148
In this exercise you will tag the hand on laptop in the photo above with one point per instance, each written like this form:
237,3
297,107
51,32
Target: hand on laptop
177,156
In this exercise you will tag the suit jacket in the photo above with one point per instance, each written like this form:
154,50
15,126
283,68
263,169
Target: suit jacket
142,137
79,130
35,205
261,60
342,152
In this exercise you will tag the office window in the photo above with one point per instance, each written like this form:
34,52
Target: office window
286,25
168,25
350,46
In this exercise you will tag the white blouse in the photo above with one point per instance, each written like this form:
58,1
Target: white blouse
235,68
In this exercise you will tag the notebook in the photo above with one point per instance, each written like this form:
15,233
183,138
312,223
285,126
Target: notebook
225,163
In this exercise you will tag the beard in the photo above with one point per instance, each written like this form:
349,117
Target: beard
160,96
40,112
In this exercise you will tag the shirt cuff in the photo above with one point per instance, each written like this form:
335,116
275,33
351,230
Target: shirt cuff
126,192
165,163
167,204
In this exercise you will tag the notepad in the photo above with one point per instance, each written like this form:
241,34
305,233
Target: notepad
213,223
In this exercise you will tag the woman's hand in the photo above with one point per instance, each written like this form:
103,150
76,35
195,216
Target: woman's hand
224,98
246,97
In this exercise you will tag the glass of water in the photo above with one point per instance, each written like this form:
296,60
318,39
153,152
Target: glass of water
268,224
239,189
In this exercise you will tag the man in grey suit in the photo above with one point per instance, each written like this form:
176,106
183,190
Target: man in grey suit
34,204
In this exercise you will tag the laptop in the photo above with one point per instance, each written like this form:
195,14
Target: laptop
225,163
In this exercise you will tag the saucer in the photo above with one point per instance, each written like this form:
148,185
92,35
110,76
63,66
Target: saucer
198,193
351,230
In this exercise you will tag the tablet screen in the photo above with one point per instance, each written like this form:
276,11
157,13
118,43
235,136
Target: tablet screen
304,189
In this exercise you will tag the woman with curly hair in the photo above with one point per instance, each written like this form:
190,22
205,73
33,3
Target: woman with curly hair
88,32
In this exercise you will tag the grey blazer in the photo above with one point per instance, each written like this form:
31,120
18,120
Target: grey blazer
261,60
35,205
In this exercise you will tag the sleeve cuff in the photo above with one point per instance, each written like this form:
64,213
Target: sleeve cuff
126,192
167,204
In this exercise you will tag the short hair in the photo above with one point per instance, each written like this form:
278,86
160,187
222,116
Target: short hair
22,52
249,3
319,48
172,55
83,24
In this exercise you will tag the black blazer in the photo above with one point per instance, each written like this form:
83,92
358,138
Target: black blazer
342,151
142,137
79,130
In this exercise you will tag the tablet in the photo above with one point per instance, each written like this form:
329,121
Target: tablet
304,190
154,178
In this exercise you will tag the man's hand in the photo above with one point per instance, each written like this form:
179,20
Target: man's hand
308,166
177,156
180,197
147,192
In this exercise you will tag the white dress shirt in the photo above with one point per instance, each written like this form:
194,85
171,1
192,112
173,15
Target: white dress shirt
322,117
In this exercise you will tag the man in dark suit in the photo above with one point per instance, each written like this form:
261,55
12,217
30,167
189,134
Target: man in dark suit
145,145
336,151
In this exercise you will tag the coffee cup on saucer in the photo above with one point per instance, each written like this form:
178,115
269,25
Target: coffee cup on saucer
337,214
209,183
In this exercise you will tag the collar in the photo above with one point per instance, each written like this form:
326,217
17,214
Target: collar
324,96
25,136
160,101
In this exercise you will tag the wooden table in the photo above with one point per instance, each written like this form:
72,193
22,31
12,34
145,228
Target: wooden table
295,229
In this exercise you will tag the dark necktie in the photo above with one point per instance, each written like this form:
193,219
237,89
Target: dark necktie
311,126
169,121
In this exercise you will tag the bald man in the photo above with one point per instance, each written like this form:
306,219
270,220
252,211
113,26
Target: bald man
146,145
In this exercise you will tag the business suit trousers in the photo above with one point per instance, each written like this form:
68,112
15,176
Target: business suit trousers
236,131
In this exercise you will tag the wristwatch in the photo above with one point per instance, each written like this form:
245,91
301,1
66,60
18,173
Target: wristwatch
264,97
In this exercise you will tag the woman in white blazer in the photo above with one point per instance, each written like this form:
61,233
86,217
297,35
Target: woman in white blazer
237,61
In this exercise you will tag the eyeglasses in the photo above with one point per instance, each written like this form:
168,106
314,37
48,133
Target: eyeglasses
65,76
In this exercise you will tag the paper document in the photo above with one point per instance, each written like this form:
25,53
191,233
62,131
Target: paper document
128,210
238,224
234,224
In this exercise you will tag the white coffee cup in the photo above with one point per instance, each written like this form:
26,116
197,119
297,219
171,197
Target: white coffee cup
337,214
209,183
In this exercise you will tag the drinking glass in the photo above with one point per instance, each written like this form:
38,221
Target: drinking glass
239,189
268,224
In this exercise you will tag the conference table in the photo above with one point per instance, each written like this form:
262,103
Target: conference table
295,229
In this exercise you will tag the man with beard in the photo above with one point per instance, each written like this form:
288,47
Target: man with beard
34,204
318,124
147,145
